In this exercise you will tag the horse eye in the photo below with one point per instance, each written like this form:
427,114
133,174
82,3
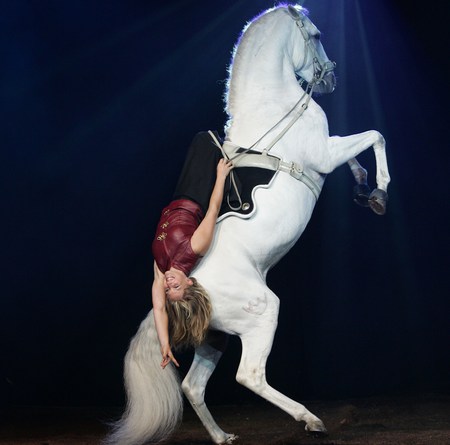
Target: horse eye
317,36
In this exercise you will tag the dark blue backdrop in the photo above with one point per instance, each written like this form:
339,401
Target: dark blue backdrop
99,101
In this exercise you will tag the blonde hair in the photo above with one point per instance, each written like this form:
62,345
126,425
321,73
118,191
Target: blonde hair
189,317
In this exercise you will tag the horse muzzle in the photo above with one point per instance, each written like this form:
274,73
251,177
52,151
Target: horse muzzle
327,84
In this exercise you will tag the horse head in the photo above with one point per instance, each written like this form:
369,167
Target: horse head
313,67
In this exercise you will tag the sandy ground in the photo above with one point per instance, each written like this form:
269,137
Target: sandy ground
377,421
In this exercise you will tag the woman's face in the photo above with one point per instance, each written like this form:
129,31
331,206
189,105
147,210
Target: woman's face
175,284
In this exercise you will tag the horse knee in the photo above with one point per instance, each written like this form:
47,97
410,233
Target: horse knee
359,173
195,394
252,378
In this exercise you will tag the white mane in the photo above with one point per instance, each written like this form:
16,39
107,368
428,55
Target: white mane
246,34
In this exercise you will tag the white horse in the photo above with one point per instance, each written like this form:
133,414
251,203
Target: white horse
268,110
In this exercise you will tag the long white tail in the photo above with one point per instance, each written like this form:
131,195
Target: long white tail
154,397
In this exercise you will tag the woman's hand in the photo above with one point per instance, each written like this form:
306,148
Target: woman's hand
223,168
167,357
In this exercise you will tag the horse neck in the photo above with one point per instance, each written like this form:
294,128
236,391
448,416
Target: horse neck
262,83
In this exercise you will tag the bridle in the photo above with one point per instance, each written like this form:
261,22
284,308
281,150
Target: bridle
320,70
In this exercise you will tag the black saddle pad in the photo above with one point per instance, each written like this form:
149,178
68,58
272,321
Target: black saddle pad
246,178
199,174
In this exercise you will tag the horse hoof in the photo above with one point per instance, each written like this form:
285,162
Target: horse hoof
317,434
316,429
361,193
231,438
377,201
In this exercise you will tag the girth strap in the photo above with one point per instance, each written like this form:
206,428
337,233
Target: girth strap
267,161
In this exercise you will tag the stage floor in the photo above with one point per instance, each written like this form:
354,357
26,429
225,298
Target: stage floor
375,421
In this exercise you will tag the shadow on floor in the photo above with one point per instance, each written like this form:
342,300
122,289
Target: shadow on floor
418,420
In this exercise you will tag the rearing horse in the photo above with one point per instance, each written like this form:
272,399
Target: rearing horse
274,115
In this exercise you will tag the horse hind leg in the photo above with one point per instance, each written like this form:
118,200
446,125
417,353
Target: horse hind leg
256,346
205,360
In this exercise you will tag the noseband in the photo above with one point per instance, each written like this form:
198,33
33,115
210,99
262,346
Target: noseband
320,69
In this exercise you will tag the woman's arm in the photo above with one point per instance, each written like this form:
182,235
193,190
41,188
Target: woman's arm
161,318
202,237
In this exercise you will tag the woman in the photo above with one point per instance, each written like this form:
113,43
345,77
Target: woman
184,234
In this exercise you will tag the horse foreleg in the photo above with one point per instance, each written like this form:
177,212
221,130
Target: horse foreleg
378,198
345,149
361,191
256,346
205,360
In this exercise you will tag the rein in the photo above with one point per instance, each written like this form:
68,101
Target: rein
264,160
320,71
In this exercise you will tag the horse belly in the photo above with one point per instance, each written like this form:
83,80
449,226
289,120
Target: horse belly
243,250
282,212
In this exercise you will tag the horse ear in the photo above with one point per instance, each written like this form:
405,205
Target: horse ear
294,12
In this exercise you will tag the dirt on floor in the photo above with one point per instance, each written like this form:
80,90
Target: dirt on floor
423,420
